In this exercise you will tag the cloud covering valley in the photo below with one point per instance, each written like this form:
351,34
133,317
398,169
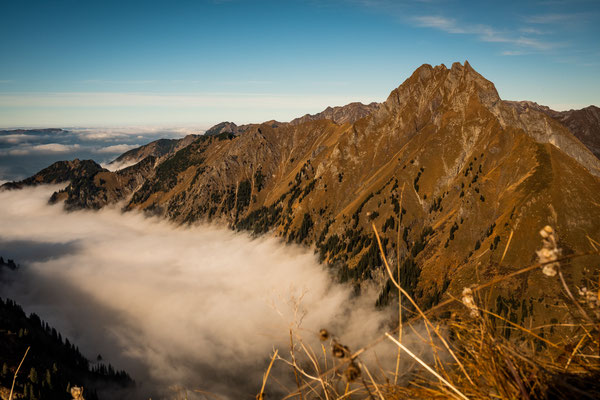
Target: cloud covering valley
199,306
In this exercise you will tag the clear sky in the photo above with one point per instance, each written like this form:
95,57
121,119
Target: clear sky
195,63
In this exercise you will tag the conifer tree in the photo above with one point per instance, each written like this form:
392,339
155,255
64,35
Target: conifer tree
32,395
48,379
33,376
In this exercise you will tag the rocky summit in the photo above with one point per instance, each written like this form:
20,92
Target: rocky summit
444,169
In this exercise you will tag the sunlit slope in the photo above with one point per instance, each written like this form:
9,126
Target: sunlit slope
469,169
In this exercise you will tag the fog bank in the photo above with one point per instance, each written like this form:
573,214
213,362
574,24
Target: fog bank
200,307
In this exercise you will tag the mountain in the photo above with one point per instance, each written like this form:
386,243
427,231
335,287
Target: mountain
104,187
350,113
157,148
584,123
226,127
60,171
468,167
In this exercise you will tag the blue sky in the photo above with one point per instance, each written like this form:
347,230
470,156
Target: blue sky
195,63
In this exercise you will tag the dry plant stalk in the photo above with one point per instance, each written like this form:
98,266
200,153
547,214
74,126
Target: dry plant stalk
427,321
16,372
399,291
266,376
427,367
507,244
294,361
501,368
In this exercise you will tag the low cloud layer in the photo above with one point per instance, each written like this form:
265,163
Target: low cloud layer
25,152
47,148
116,148
199,306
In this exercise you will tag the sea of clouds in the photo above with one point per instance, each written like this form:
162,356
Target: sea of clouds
25,152
200,307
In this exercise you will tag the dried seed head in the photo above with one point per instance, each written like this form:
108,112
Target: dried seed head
549,269
549,251
77,393
590,298
546,231
352,373
469,302
323,335
339,350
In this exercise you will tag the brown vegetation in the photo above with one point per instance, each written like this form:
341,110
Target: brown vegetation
474,357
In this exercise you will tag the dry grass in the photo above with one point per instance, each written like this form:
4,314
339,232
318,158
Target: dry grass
12,388
472,359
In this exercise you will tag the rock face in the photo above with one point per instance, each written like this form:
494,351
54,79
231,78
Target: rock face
350,113
226,127
444,169
158,148
584,123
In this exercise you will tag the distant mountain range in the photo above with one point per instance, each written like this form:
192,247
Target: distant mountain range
443,165
350,113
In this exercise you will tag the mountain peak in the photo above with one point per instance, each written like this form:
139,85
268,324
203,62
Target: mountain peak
430,88
433,96
466,67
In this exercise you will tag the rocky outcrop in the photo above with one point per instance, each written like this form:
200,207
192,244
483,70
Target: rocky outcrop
348,114
584,123
226,127
158,148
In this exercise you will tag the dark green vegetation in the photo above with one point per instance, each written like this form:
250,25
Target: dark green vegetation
53,363
10,264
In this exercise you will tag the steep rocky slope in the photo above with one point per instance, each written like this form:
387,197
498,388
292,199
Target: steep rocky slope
584,123
157,148
468,167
